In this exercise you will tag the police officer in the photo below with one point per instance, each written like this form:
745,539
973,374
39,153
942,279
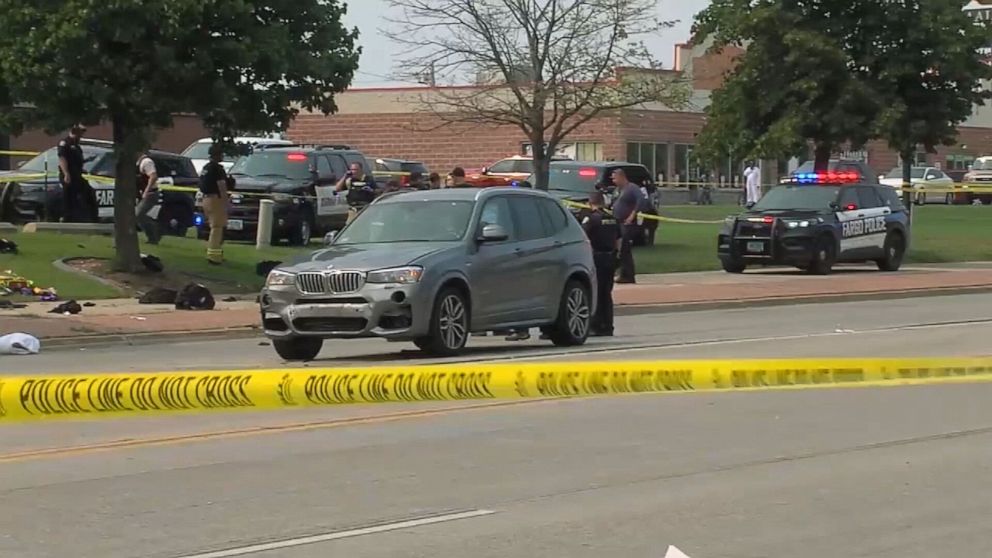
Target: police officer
148,190
604,235
214,187
78,197
360,187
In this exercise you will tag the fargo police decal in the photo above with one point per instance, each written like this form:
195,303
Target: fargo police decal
861,227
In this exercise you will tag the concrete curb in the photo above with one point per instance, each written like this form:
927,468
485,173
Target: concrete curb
641,309
62,264
150,338
247,332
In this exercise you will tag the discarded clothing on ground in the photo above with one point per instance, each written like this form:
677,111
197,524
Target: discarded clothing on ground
7,246
68,307
195,296
159,295
19,344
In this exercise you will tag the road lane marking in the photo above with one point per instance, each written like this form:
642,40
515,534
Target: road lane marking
333,536
255,430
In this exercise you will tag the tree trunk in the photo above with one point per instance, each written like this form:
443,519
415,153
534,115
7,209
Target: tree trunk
542,163
908,156
821,157
127,144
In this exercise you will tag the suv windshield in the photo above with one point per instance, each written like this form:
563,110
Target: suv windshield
274,164
810,198
571,178
409,221
37,164
897,173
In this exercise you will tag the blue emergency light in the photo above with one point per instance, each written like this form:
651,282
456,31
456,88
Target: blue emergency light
198,220
830,177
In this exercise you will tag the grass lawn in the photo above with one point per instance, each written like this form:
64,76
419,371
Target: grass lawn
940,234
182,255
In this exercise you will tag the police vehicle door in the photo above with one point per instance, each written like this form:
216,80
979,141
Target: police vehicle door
331,206
862,217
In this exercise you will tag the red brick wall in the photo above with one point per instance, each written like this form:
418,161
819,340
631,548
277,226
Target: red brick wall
710,69
185,130
408,136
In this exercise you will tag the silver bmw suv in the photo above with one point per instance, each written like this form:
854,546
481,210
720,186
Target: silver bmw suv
433,267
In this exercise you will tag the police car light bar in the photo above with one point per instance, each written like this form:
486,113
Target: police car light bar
826,177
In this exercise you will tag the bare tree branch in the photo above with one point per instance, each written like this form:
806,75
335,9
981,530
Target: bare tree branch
544,66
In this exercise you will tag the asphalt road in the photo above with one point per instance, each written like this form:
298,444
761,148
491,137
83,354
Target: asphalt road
952,325
887,472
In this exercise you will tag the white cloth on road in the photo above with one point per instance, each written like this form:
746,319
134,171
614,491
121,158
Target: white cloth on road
19,344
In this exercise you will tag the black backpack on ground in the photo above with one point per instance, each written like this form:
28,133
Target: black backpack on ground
195,296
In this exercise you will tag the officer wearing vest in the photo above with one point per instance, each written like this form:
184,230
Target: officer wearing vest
604,235
78,197
360,187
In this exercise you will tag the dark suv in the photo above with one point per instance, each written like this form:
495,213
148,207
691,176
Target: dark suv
399,170
573,181
300,179
40,199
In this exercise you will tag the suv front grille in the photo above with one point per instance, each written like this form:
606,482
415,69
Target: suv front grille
336,282
310,283
345,281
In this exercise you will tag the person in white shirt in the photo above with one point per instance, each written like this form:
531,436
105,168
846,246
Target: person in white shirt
148,190
752,183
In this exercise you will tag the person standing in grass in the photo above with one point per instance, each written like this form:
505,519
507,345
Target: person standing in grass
148,190
213,186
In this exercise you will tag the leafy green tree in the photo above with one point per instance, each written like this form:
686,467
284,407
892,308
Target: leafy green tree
793,84
238,64
924,60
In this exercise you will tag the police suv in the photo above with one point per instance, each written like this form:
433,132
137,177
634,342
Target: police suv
817,220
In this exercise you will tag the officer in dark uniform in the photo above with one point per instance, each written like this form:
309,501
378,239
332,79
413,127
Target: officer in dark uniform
604,235
360,187
78,197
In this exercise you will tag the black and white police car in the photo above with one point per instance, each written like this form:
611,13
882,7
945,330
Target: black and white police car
815,221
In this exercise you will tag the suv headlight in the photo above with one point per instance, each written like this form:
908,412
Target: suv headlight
280,279
403,275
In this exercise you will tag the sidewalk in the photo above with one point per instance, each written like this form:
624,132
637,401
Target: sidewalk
677,291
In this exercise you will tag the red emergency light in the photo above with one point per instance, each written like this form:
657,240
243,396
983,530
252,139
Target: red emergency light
829,177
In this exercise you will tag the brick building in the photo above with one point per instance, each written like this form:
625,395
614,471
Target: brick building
390,122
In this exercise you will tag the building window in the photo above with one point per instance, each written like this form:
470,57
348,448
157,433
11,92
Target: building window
959,162
681,170
654,156
588,151
579,151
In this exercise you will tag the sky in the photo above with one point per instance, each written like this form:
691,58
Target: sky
379,53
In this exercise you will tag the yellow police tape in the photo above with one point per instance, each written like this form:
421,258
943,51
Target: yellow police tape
648,216
122,395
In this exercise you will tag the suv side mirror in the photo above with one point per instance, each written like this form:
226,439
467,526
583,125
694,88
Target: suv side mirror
329,238
494,233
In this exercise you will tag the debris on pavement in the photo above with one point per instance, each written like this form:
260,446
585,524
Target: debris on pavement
69,307
231,299
195,296
89,304
8,305
139,318
159,295
19,344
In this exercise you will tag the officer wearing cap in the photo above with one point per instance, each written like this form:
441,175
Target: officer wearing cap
78,198
214,185
604,235
360,187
